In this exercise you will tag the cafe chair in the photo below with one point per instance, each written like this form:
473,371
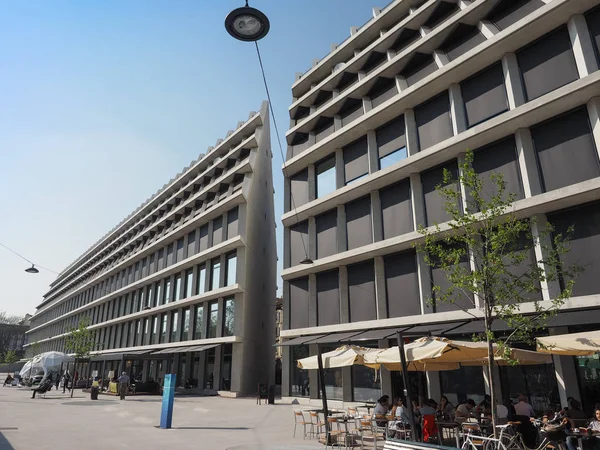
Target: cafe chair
366,431
316,425
300,420
338,437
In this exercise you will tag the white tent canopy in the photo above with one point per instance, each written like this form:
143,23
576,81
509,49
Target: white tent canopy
44,362
575,344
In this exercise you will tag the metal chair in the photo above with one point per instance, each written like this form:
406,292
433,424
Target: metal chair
300,420
337,436
366,429
315,422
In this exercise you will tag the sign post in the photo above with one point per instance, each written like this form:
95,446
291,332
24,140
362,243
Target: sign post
166,414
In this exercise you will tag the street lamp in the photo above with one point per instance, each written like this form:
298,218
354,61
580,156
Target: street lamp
247,24
32,269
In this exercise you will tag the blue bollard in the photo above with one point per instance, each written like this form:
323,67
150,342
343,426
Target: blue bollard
166,414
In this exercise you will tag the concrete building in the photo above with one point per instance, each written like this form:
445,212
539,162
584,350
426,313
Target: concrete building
186,283
13,335
373,125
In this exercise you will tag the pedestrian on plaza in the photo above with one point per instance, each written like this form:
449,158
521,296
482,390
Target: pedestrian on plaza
66,378
57,381
123,385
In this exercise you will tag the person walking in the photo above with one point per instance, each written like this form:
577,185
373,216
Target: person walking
66,378
123,385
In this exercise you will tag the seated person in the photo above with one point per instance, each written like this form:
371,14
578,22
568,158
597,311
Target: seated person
8,380
523,408
381,409
401,419
428,413
44,386
592,443
577,418
485,406
445,409
464,411
429,408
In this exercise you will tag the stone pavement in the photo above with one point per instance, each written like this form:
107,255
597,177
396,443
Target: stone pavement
60,422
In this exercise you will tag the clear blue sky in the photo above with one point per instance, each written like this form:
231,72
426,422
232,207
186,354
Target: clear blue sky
102,102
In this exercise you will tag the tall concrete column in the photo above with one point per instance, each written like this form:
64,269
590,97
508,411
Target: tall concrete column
217,370
376,217
340,178
287,247
344,295
550,289
532,184
372,150
593,107
347,385
286,366
423,270
312,182
412,137
313,376
512,79
312,238
583,49
457,110
566,374
380,288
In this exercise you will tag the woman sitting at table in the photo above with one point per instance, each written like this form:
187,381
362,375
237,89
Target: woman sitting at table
400,414
445,409
381,409
593,427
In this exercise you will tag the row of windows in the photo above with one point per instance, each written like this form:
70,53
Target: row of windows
199,240
401,295
208,200
565,151
463,38
201,321
545,65
203,278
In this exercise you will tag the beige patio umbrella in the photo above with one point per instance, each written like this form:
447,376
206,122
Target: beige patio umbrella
521,357
575,344
344,356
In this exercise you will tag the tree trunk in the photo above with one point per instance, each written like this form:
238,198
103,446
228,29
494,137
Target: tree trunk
73,377
491,362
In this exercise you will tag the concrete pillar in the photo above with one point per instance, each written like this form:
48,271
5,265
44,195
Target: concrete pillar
217,370
539,223
312,300
593,107
532,184
417,201
344,295
367,105
313,376
434,387
286,247
312,182
566,374
440,58
237,370
286,366
401,83
512,78
312,238
337,122
487,28
412,137
347,385
380,288
583,49
342,241
340,178
459,117
376,217
372,151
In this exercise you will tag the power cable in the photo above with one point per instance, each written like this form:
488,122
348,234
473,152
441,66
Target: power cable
293,204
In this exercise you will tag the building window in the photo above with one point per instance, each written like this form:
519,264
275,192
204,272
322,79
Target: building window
174,326
228,317
298,315
484,95
186,325
298,190
356,160
361,292
138,332
158,298
170,255
231,269
146,330
149,299
328,298
163,328
213,319
201,279
327,234
141,303
189,279
180,250
215,274
177,288
199,321
326,180
154,330
298,243
167,298
434,121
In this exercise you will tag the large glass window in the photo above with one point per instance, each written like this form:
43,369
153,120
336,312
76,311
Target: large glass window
300,383
226,367
199,322
149,298
158,297
228,317
213,318
167,298
154,330
185,330
201,279
326,179
141,304
459,385
189,276
392,158
174,326
215,274
209,368
163,328
231,269
334,387
134,305
177,288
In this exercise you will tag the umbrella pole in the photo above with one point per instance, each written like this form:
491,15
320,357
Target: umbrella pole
407,388
323,393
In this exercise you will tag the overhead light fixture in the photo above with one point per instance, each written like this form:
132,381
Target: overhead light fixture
32,269
247,24
307,260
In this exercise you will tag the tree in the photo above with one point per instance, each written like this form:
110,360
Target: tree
32,350
80,342
488,256
10,358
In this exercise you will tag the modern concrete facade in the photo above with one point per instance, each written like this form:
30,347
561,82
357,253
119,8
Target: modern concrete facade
186,283
373,125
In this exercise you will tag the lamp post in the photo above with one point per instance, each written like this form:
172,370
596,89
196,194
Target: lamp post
247,24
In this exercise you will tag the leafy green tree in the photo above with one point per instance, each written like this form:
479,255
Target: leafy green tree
80,341
488,256
10,357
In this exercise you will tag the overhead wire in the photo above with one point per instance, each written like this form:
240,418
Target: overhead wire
28,260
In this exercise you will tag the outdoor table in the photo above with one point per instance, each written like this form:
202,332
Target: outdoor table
580,436
454,426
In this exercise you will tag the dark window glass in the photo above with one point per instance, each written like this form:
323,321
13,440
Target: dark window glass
213,319
356,160
174,326
391,142
328,300
361,292
327,234
233,223
228,317
299,189
420,66
217,231
434,123
396,209
434,202
359,229
484,95
461,300
507,12
199,322
402,284
186,325
299,303
298,242
463,38
326,180
203,238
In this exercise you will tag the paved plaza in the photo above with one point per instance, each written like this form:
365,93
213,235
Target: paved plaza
61,422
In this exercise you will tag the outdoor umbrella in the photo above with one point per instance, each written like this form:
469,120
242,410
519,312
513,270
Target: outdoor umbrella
344,356
521,357
51,359
575,344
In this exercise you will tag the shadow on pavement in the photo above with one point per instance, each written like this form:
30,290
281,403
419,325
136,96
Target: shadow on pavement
4,444
208,428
